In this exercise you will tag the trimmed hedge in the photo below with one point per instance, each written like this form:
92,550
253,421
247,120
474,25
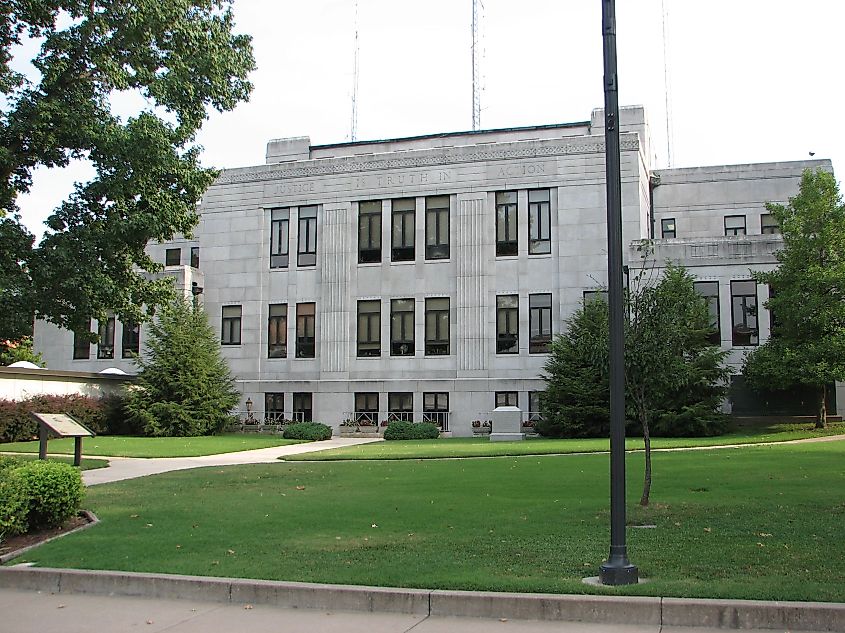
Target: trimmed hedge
53,490
411,431
13,502
104,416
307,431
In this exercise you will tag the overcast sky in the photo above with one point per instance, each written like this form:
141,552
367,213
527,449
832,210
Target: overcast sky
748,80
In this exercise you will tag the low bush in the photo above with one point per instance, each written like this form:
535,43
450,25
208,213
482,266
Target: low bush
13,503
307,431
7,461
102,415
53,492
411,431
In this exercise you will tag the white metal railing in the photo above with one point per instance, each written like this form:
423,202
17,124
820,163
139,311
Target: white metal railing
440,418
256,420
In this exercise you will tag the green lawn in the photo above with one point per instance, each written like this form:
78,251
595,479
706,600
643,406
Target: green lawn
483,447
755,522
121,446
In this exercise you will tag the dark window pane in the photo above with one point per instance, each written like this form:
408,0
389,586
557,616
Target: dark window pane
305,330
173,257
369,328
402,327
230,331
507,324
540,323
506,224
277,331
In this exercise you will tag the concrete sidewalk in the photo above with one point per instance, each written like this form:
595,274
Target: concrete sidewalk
121,468
44,599
43,612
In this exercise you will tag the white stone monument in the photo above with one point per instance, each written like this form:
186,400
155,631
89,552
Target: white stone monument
507,424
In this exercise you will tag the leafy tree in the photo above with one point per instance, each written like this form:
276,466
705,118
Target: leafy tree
671,368
807,344
184,387
179,58
14,351
674,378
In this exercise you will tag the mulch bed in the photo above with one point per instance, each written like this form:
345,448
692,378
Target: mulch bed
21,541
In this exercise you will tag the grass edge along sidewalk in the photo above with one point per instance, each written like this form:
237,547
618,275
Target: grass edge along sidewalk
483,447
155,447
751,523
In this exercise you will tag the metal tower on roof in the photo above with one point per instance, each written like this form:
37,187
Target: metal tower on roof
354,125
476,64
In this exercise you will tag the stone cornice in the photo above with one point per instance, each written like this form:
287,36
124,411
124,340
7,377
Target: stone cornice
429,157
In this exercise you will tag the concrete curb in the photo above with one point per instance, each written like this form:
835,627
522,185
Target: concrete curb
724,614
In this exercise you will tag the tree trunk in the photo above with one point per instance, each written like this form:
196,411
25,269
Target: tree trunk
647,444
821,414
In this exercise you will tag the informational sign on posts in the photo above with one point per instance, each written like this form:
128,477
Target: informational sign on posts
60,425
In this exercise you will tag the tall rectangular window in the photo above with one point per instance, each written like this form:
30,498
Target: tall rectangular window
507,324
305,330
369,328
274,407
195,256
402,230
710,291
306,250
437,326
303,409
734,225
540,323
507,399
436,409
744,312
769,224
173,257
230,329
130,340
539,222
400,407
81,346
279,237
437,227
277,331
534,406
105,330
366,407
667,228
506,224
402,327
369,232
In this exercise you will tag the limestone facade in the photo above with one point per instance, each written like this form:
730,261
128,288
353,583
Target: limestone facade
424,277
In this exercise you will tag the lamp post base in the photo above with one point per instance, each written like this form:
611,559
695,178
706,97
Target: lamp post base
618,573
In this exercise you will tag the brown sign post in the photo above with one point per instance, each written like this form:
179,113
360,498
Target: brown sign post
61,425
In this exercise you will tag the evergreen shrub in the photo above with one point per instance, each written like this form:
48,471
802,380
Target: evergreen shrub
53,491
411,431
307,431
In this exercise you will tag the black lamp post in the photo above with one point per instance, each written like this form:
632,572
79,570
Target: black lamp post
618,570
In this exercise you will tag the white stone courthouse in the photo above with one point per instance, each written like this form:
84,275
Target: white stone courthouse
423,278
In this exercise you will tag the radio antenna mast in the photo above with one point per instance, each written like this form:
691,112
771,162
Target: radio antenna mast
476,74
354,126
